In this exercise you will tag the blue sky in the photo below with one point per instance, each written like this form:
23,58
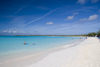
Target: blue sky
49,17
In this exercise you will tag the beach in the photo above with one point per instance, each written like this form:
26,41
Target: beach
30,56
49,33
85,54
82,53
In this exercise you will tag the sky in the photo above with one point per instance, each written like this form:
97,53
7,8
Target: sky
49,17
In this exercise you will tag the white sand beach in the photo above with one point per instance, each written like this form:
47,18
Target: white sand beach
85,54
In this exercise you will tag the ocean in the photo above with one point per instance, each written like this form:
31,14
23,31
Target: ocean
14,45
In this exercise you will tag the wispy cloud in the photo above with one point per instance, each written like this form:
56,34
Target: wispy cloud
42,7
99,10
20,9
83,19
93,17
81,1
86,9
49,23
42,17
15,13
90,18
85,1
94,1
9,31
70,17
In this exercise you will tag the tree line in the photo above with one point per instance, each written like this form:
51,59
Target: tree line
94,34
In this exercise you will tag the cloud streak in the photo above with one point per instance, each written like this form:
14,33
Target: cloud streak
85,1
73,16
42,17
49,23
20,9
70,17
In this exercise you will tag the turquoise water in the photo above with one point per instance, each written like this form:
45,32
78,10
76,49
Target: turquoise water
14,44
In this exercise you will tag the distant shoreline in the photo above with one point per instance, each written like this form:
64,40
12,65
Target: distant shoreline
49,35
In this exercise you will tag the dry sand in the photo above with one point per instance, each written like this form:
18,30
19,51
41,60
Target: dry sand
85,54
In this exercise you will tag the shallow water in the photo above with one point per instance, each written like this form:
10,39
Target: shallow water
12,45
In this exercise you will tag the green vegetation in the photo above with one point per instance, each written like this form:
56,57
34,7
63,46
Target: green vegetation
94,34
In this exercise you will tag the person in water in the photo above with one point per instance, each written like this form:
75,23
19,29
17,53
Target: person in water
24,43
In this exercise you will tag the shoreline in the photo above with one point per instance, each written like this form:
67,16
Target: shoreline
85,54
34,58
